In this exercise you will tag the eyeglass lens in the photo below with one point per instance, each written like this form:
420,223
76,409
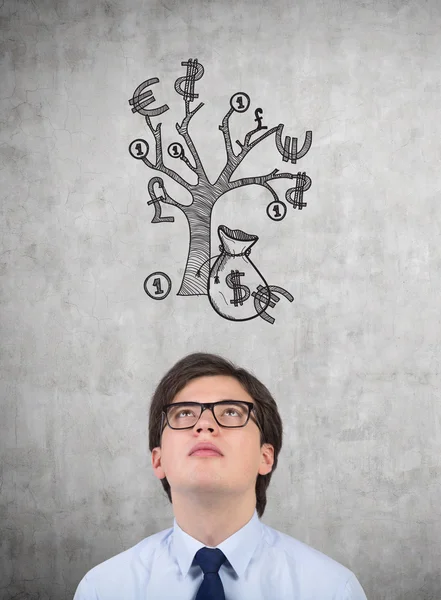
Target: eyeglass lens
233,414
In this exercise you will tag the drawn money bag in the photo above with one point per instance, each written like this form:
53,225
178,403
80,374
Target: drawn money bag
234,280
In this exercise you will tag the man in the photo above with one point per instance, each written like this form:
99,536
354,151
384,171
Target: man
215,434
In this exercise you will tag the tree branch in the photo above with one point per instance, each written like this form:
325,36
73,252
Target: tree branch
159,165
188,163
225,128
182,129
303,184
268,187
261,179
234,160
246,146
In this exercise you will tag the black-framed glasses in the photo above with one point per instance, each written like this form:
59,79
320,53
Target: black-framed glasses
227,413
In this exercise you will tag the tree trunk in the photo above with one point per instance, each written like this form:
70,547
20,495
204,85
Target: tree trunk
197,269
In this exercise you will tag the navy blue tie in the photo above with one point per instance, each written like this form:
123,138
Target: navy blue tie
210,561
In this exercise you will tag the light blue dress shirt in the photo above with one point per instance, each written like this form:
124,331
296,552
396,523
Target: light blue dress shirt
262,564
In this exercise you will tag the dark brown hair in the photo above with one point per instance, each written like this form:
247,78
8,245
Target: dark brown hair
201,365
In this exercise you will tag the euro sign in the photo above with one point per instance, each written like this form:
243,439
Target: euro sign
289,148
141,100
194,72
261,297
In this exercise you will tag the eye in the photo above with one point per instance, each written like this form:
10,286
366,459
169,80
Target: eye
184,410
232,410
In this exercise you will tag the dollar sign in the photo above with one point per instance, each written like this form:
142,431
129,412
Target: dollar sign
258,114
241,293
141,100
194,72
303,184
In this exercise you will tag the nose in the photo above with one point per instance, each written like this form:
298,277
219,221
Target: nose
206,420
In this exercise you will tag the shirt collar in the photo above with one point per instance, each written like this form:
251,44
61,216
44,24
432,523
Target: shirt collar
238,548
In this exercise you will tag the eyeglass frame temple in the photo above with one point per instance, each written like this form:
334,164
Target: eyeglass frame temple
210,406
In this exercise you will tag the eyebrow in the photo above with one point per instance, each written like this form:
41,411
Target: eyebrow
223,400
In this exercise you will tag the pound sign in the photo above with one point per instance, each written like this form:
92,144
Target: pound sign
258,114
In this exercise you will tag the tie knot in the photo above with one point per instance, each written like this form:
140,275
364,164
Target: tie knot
210,559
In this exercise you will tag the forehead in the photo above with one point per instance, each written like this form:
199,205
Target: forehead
211,389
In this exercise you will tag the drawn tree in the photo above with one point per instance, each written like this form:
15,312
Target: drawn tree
205,193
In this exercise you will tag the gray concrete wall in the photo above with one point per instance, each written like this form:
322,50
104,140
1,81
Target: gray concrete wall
353,362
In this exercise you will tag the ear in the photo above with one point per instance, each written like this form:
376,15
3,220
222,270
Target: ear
267,459
157,463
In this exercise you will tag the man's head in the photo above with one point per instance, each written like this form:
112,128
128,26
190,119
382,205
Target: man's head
249,453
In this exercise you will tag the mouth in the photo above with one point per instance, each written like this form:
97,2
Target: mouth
205,448
206,452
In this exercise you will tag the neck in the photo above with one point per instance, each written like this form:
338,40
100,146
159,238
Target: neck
211,520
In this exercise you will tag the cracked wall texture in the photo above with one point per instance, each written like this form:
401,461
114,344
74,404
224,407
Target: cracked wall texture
353,362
